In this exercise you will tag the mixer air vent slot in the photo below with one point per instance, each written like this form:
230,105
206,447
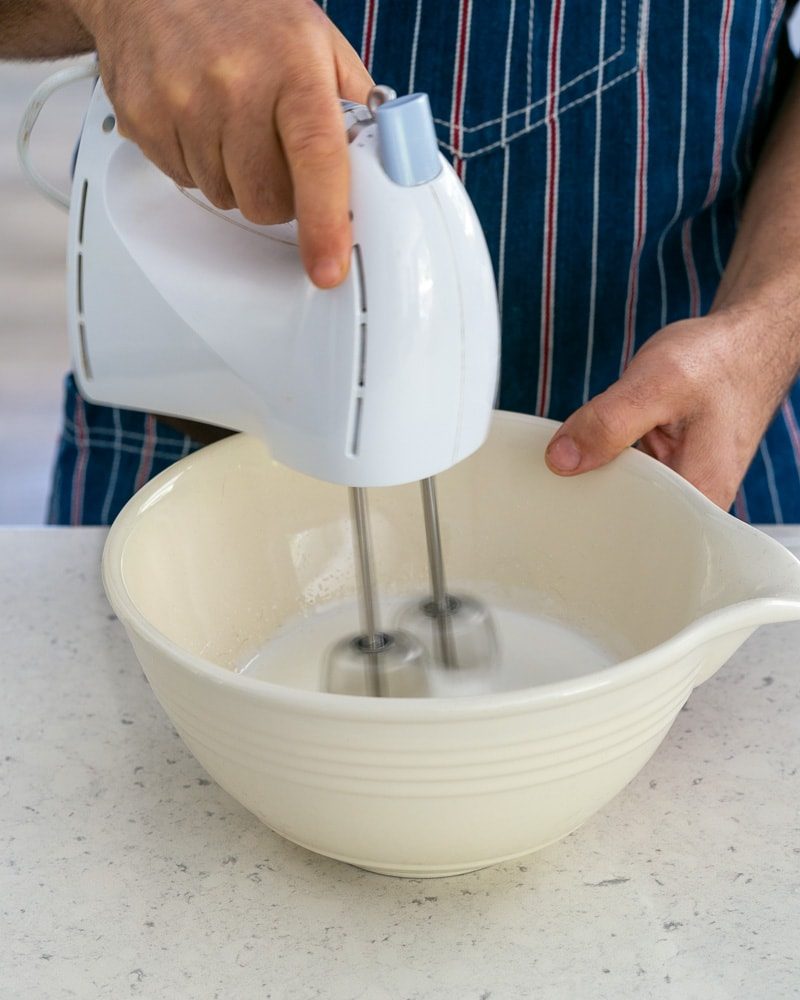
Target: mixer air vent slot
362,354
356,426
80,283
81,319
82,214
362,285
361,357
87,368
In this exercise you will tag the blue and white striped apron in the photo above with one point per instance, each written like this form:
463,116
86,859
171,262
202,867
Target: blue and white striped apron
607,146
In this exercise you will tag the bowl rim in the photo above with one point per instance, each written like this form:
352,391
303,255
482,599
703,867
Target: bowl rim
743,615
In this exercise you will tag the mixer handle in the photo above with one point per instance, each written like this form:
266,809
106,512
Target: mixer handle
80,70
84,69
406,137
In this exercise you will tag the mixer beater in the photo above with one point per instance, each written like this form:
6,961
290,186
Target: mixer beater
441,632
374,662
457,629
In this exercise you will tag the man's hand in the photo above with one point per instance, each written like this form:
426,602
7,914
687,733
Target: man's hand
240,99
698,396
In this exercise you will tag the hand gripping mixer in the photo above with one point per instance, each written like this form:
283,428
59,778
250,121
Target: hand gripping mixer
176,307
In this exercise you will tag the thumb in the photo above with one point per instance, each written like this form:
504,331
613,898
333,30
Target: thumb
604,427
354,80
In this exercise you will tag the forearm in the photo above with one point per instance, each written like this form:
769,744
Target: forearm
41,29
762,278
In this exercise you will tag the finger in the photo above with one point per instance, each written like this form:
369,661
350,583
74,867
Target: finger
353,79
309,123
257,172
180,161
197,134
354,82
166,152
607,425
203,156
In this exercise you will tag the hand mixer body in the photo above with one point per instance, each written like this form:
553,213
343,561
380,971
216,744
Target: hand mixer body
179,308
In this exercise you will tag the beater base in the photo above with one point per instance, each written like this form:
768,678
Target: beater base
380,666
471,640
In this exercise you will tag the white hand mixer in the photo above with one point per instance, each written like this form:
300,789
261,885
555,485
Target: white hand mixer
178,308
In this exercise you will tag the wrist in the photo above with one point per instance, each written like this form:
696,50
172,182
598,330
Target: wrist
754,290
761,330
88,12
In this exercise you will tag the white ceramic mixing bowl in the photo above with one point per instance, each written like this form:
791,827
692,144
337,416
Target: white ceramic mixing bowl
215,554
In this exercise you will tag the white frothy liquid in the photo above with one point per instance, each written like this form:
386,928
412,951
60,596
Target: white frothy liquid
533,650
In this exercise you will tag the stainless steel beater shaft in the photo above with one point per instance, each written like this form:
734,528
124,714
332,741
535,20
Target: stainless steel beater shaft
441,599
372,641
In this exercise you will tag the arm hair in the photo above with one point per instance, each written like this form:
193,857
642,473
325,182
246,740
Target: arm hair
41,29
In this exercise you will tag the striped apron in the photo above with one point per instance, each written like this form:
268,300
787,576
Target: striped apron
607,146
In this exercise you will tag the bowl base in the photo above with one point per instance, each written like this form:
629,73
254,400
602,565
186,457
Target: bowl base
424,871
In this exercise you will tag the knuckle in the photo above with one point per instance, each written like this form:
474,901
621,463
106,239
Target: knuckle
608,419
313,141
220,196
179,96
135,118
265,208
130,119
181,178
679,368
188,97
171,88
175,173
305,57
232,78
634,397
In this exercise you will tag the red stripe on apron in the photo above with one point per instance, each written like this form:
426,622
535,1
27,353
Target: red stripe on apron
640,209
551,211
368,38
460,84
722,91
716,157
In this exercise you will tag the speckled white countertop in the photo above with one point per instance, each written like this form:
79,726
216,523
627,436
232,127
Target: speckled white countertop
126,872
